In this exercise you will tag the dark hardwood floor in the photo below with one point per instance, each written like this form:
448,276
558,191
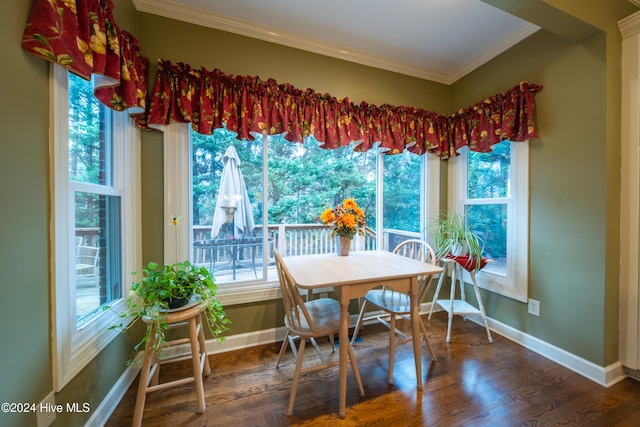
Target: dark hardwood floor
473,383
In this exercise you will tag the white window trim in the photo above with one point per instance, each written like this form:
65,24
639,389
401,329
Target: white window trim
630,200
72,350
516,283
177,172
177,191
429,192
429,195
178,202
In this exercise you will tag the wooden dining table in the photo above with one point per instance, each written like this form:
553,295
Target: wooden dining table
351,277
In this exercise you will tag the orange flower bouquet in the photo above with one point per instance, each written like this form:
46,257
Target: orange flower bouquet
345,220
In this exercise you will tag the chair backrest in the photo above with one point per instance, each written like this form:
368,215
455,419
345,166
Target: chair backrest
297,316
420,251
87,260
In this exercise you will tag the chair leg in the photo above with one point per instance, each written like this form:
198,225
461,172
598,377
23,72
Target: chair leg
356,371
356,329
292,344
392,347
283,349
438,287
426,339
318,351
296,376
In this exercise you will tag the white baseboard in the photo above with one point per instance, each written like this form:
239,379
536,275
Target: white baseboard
246,340
605,376
102,413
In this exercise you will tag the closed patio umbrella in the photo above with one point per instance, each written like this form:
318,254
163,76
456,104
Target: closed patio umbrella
232,203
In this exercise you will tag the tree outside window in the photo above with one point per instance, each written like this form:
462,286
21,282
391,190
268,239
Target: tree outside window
96,207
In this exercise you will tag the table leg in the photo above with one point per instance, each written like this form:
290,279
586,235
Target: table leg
343,298
415,330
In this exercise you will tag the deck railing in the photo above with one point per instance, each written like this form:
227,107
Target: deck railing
288,239
296,239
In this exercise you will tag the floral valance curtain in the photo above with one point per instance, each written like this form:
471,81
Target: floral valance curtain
211,99
82,36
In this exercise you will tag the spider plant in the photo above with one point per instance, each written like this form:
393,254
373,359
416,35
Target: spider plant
452,234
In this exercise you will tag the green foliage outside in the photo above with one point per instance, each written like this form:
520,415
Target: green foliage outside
85,116
87,145
402,192
303,178
488,178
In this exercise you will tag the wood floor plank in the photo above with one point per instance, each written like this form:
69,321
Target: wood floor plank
472,383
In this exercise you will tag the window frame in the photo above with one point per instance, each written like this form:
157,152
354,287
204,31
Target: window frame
73,348
515,284
178,202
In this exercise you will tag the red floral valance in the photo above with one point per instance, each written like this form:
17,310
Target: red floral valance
209,99
82,36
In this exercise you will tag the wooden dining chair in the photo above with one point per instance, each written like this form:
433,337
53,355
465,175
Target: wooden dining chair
289,340
397,304
87,258
307,321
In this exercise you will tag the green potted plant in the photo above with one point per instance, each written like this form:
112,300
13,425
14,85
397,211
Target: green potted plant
453,234
172,287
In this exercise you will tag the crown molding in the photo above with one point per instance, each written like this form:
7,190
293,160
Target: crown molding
629,26
504,45
193,15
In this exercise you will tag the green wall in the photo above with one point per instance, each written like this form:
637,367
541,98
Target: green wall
568,190
574,170
574,179
25,353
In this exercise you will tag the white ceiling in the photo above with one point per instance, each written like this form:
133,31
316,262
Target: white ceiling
438,40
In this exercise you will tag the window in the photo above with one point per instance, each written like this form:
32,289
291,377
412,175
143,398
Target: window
288,186
94,238
493,190
401,198
302,180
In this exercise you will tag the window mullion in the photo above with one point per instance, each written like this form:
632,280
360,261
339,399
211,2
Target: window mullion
380,201
265,212
429,191
84,187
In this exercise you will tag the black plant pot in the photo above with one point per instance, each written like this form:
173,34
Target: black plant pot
174,303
